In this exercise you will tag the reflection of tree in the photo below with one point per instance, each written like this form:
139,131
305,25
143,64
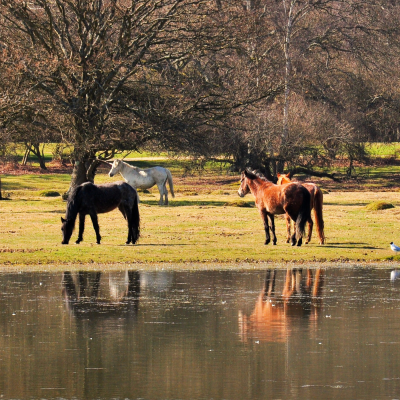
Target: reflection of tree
274,315
82,294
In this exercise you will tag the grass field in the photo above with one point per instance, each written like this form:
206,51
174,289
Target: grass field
202,225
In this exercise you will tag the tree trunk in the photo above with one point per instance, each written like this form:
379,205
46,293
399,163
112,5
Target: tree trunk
78,176
35,149
288,71
26,154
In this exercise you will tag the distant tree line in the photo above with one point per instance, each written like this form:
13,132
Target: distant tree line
271,84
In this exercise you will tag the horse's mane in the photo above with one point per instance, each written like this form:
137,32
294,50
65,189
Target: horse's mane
129,165
73,203
254,174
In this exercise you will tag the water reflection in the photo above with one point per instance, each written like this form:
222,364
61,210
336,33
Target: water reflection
274,313
394,275
81,294
302,334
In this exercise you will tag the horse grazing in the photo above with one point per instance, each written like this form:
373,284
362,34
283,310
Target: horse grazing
97,199
145,178
317,200
271,199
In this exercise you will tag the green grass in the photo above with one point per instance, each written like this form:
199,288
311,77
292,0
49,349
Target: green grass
383,149
206,223
200,226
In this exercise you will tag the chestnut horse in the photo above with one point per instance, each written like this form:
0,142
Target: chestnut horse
291,198
317,200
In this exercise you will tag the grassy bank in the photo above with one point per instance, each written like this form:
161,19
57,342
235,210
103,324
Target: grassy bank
203,224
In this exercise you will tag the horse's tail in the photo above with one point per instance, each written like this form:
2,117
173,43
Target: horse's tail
171,185
318,204
304,213
135,219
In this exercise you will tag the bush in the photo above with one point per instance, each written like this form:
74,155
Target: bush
379,205
49,193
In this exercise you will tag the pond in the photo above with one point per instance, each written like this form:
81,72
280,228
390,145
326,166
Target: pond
250,334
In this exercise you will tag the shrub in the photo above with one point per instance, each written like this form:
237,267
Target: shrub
379,205
49,193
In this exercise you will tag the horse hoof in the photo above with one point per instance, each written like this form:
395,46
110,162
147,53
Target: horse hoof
287,240
267,242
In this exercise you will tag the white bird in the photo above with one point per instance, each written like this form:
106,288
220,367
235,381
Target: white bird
394,247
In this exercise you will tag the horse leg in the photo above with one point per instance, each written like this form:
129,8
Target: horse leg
165,192
128,217
288,222
264,217
161,190
96,227
293,239
272,227
310,228
81,227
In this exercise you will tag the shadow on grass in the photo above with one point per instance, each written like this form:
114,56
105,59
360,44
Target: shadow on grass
183,203
351,245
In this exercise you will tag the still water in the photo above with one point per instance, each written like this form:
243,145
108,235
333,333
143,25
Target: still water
265,334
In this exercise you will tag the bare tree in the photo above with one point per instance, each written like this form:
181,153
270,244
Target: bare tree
101,68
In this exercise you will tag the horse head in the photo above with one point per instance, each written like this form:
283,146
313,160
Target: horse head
284,178
115,168
67,228
244,187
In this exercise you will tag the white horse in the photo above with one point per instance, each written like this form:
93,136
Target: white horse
145,178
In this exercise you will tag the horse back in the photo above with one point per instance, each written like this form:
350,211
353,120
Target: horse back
272,199
293,194
105,197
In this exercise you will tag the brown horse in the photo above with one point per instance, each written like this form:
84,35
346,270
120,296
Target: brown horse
317,200
271,199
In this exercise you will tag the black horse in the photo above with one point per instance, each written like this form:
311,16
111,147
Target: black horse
97,199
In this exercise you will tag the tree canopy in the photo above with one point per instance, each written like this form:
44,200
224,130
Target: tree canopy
271,84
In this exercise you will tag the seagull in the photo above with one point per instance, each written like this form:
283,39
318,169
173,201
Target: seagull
394,247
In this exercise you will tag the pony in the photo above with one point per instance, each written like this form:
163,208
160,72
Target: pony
92,199
271,199
317,200
145,178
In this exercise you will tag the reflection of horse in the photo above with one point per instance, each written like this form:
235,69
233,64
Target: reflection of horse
96,199
272,199
317,199
145,178
82,295
273,315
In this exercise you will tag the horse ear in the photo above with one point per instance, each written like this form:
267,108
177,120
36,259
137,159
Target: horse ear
63,220
278,175
289,174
